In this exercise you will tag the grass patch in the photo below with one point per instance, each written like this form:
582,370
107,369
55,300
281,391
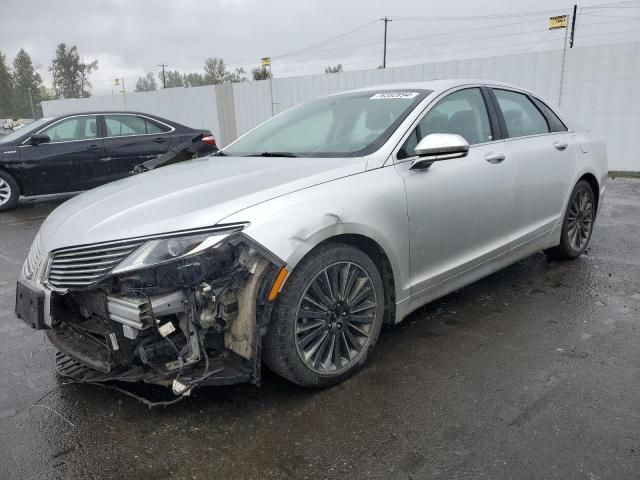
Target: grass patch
623,174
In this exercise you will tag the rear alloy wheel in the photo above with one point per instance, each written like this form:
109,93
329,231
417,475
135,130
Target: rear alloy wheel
327,319
578,224
9,192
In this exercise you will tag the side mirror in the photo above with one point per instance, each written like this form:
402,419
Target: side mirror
38,138
439,146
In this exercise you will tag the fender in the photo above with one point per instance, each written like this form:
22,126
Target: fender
372,204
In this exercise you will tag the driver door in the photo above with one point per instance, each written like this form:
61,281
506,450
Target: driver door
460,210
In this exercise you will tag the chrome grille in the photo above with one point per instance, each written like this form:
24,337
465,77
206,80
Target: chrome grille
80,267
32,263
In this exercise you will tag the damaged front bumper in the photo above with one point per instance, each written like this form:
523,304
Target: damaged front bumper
194,320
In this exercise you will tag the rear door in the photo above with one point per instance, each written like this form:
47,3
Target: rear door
59,165
132,139
544,154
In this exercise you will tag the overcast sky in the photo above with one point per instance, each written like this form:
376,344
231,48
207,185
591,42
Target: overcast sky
131,37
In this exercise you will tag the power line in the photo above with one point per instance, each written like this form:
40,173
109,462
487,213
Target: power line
477,17
420,37
446,42
338,37
610,16
623,4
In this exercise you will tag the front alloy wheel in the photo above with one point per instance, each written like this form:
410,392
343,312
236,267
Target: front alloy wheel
9,191
335,318
327,318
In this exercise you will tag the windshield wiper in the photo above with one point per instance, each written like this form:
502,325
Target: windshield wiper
272,154
219,153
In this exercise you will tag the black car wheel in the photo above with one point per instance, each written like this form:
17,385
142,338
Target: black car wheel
9,192
577,225
327,318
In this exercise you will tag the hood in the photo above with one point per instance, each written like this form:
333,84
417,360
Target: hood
193,194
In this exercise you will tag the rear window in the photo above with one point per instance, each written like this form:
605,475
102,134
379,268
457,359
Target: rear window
126,125
555,124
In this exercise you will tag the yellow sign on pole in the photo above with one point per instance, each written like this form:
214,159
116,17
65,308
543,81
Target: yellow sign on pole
266,61
558,22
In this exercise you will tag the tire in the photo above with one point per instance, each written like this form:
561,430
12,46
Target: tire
344,338
581,213
9,192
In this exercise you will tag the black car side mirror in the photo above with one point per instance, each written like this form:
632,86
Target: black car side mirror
38,138
436,147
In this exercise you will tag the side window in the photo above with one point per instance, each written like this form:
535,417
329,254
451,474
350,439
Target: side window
463,112
74,128
521,116
555,124
125,125
153,127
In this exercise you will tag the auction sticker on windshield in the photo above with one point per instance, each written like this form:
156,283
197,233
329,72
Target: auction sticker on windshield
384,95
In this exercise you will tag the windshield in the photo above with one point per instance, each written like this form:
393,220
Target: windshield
346,125
24,130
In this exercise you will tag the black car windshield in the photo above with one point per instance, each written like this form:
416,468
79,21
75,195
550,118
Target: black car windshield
346,125
24,130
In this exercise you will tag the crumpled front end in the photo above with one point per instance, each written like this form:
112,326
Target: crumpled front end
180,310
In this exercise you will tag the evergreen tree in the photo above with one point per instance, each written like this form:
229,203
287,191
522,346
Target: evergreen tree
172,78
26,81
6,88
146,83
261,73
70,73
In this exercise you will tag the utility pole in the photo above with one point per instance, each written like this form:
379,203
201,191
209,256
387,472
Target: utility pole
164,82
564,60
573,25
124,94
384,55
271,88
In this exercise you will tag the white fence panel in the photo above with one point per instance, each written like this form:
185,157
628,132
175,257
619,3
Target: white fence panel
601,91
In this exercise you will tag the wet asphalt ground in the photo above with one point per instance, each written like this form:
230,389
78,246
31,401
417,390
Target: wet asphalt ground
533,372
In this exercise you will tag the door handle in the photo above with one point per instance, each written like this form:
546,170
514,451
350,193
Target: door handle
95,148
495,157
159,140
560,145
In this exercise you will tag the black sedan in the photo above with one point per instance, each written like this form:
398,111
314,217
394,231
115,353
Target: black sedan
80,151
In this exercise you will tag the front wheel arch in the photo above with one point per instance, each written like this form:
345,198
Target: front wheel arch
280,347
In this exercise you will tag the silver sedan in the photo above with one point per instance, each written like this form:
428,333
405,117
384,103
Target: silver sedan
295,243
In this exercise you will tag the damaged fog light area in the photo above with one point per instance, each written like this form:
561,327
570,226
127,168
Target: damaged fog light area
181,314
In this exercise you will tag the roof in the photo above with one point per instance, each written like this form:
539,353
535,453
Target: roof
107,112
436,85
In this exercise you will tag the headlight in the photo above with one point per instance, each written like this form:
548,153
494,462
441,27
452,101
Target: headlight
164,250
32,263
